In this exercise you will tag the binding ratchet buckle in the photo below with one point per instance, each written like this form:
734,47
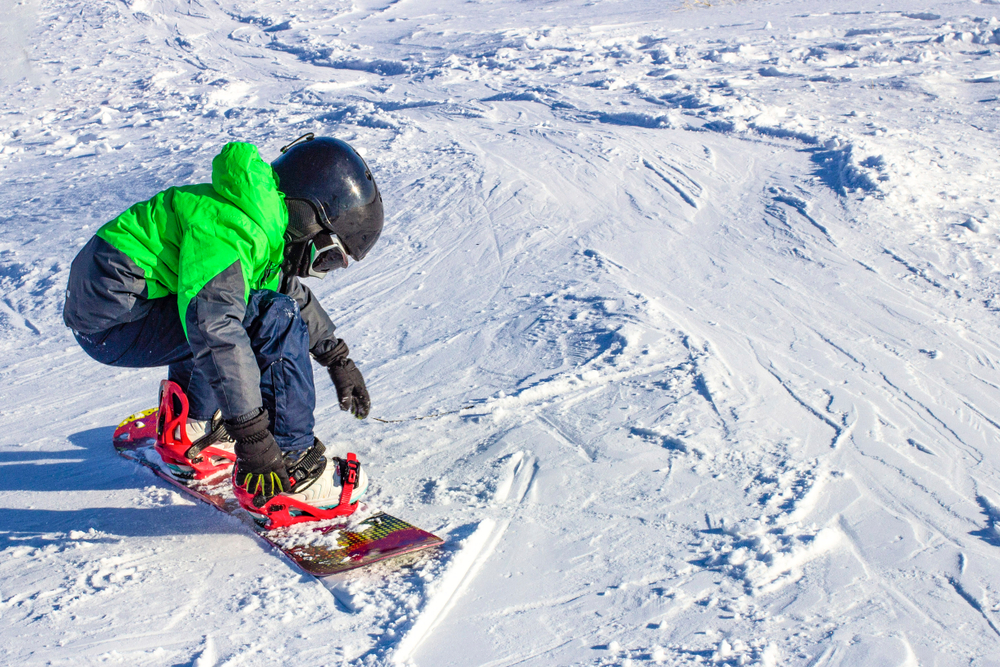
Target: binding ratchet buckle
349,473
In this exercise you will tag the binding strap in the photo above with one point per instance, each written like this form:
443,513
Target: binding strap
349,468
307,469
217,431
278,510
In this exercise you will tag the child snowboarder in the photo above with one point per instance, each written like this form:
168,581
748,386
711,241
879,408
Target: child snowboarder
204,279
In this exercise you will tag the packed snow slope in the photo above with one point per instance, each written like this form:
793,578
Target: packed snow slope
683,330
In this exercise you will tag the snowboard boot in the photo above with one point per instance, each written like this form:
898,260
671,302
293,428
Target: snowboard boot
190,448
322,488
318,480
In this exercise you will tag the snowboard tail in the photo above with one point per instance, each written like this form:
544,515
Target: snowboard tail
321,548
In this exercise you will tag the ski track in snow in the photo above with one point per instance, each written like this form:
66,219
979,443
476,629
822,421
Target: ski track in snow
717,285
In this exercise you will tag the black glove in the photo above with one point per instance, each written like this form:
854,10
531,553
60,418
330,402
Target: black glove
347,380
350,388
260,469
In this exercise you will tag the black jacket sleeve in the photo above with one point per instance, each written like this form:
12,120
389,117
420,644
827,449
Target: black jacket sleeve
221,345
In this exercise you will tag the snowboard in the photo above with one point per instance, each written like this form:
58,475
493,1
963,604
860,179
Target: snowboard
320,548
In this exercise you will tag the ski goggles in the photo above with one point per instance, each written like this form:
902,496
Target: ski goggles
327,253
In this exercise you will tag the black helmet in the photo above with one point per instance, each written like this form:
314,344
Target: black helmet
328,188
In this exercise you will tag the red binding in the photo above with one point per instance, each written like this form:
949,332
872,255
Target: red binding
278,510
348,479
171,418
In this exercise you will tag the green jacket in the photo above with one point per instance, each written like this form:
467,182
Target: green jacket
209,245
184,237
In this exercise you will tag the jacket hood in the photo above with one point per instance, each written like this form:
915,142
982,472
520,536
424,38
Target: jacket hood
243,178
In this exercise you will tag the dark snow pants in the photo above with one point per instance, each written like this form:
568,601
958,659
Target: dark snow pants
280,341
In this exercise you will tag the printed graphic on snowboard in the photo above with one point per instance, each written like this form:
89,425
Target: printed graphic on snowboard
321,548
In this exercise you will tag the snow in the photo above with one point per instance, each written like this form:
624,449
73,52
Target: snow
683,330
